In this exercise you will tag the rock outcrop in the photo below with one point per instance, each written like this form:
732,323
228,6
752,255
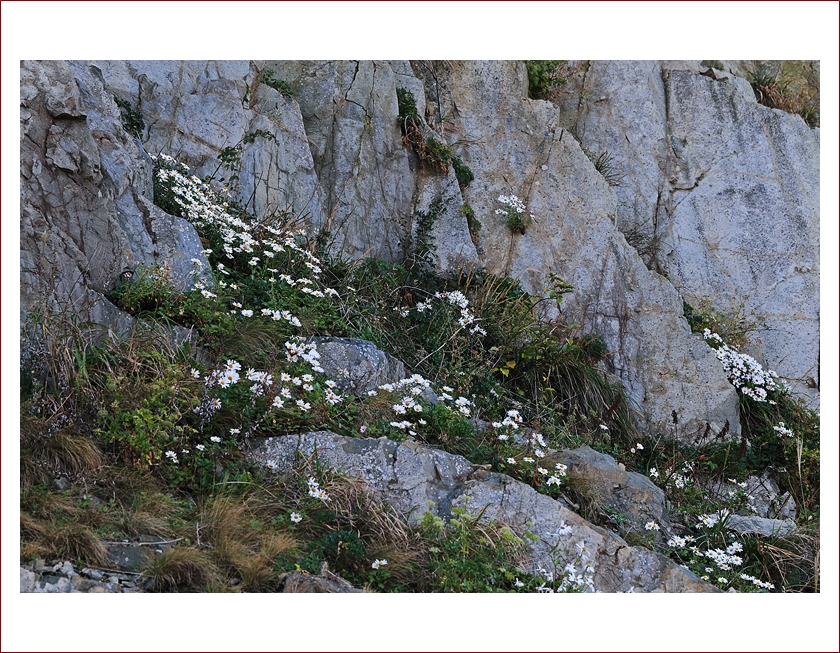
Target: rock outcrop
730,187
717,191
86,199
416,479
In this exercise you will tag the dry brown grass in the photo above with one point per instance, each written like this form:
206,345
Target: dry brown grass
181,569
238,540
74,542
792,561
47,451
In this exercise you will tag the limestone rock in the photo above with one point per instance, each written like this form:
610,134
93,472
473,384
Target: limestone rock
370,183
718,191
85,191
632,495
416,479
297,582
356,365
193,109
760,526
745,220
350,113
519,147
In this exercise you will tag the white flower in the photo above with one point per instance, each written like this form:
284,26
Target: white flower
295,517
200,447
378,563
247,312
651,526
511,461
518,583
216,438
195,373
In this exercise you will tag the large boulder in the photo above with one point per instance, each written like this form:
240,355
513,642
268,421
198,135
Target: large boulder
416,479
356,365
632,498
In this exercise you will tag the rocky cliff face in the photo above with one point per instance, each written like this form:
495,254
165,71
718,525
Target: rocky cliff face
726,189
729,188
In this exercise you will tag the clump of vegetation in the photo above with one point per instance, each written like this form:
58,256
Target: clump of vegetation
473,224
544,77
433,154
278,85
777,88
514,212
606,165
132,119
462,172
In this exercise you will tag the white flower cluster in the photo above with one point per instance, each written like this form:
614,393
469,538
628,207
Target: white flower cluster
205,207
574,578
744,372
462,404
678,542
457,298
725,560
514,208
315,490
781,429
711,519
306,352
512,420
415,385
758,583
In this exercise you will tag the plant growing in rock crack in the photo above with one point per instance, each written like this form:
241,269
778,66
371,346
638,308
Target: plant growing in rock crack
433,154
278,85
544,76
132,119
606,165
514,212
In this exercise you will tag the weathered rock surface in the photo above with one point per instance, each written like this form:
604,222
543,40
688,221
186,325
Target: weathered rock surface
86,187
760,526
633,496
370,183
519,147
416,479
718,191
298,582
356,365
193,109
764,496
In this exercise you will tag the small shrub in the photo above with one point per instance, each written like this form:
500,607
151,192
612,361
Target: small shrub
775,89
462,172
544,77
182,569
433,154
